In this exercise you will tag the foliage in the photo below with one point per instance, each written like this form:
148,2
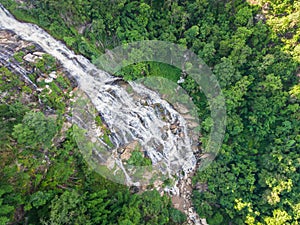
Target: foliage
35,129
46,63
137,159
254,52
5,209
57,187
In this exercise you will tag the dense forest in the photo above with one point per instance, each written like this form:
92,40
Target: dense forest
253,47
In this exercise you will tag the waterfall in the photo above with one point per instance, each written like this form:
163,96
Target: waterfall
124,113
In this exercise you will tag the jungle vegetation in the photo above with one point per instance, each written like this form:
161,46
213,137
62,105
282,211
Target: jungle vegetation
252,47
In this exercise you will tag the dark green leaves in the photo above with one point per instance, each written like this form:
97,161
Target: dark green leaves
35,129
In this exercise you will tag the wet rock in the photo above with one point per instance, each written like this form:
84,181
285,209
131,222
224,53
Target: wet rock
181,108
189,181
164,136
30,58
39,54
165,127
39,79
195,148
143,102
48,80
158,108
128,149
173,126
181,134
203,222
53,75
120,150
160,148
174,131
181,80
134,189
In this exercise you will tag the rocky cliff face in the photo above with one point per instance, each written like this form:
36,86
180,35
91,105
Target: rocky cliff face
27,58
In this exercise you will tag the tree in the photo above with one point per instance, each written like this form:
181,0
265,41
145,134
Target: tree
97,207
67,209
226,73
6,210
280,217
36,129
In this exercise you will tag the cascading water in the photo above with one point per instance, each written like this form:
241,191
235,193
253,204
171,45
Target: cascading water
141,115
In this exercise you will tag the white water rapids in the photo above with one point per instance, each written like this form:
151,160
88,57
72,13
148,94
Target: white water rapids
127,117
